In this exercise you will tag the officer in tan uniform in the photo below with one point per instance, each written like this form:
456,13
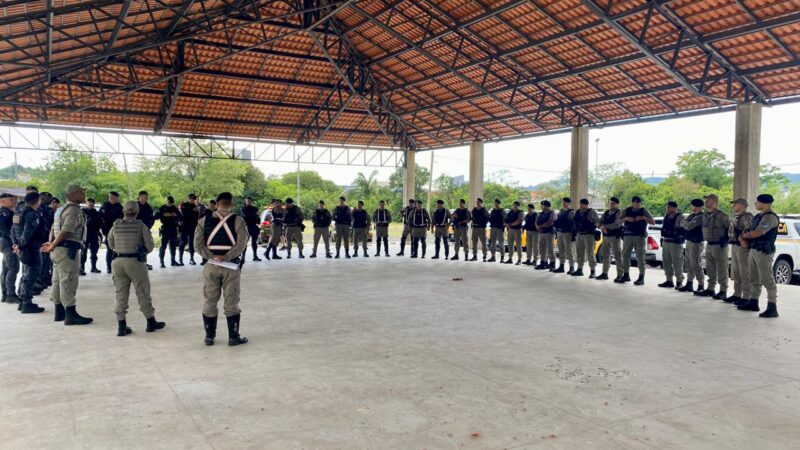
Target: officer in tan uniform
361,225
612,231
585,226
406,214
739,253
293,221
67,237
760,237
544,226
461,218
440,227
222,237
715,233
130,240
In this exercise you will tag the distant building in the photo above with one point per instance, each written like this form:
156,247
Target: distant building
459,180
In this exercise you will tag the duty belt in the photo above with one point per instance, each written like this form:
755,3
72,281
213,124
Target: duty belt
721,242
127,255
70,244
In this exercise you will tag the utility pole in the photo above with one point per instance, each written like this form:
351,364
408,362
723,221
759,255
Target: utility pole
596,165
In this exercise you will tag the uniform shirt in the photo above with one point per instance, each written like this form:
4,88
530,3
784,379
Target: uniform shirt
676,232
635,228
461,217
360,218
342,215
47,214
70,219
514,216
111,213
146,214
480,217
250,215
190,213
201,246
545,220
767,222
530,221
715,226
382,217
739,223
169,215
588,220
610,219
29,230
293,216
128,236
420,218
94,222
441,217
406,214
277,216
6,222
497,218
321,218
565,220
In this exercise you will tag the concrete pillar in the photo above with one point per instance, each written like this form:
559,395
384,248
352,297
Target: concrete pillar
579,166
747,152
411,176
475,171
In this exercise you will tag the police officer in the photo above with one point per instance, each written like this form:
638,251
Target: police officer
565,234
531,236
382,218
293,220
130,240
361,225
253,222
29,233
760,238
222,237
94,225
585,226
406,214
611,227
480,218
170,217
672,240
111,210
190,214
513,222
739,253
69,230
420,222
47,210
322,228
635,218
715,233
8,279
693,231
497,220
276,229
343,217
544,227
146,214
461,218
440,228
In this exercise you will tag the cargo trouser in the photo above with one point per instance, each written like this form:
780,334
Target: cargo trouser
127,271
274,235
382,235
717,266
8,279
360,235
531,245
294,232
440,234
461,241
478,234
760,268
630,243
65,277
33,265
740,271
612,245
219,281
566,248
496,240
342,232
90,249
673,261
547,250
325,234
418,235
406,233
515,241
694,262
584,244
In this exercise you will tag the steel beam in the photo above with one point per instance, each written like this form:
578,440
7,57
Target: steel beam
172,90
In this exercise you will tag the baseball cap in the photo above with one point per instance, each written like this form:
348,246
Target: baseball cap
73,188
672,204
714,197
636,199
131,207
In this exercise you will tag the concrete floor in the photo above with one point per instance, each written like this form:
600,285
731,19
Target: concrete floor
392,353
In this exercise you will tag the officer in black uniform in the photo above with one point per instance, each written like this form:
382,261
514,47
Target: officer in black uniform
321,219
190,214
361,225
170,216
461,218
441,224
94,223
513,222
565,235
146,214
29,234
405,214
480,218
8,279
420,222
693,232
47,210
111,212
253,222
497,217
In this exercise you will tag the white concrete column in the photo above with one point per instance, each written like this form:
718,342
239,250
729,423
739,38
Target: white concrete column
747,152
475,171
411,176
579,166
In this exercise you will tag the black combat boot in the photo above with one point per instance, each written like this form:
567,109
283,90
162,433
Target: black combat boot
592,275
509,260
704,293
153,325
355,253
12,299
328,255
300,253
266,253
60,313
571,270
402,246
313,255
192,263
210,325
577,272
749,305
771,311
560,269
366,255
541,266
602,276
234,338
162,263
626,278
346,253
454,258
255,258
741,301
275,253
490,259
73,318
700,289
176,263
82,272
639,281
519,261
667,284
732,299
94,267
720,295
337,254
123,329
688,287
28,307
474,257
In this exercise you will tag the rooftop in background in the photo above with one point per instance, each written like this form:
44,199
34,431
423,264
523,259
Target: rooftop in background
402,73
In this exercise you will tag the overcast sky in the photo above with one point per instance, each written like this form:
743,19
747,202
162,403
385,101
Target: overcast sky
647,148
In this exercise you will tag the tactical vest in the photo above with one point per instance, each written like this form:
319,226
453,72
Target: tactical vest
582,222
418,218
342,215
713,231
479,217
381,218
670,232
461,217
496,218
440,217
322,219
169,216
220,234
80,234
638,228
563,223
7,216
292,216
766,242
360,218
695,234
512,217
530,221
128,238
543,218
737,229
609,218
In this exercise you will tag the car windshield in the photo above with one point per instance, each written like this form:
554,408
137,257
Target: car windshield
797,227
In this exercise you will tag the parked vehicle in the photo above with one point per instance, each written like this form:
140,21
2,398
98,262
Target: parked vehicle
266,226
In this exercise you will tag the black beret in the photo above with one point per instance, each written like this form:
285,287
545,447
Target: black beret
440,202
382,201
480,199
288,200
143,193
55,200
170,199
697,203
636,199
31,197
32,188
516,203
566,200
360,202
45,194
461,200
672,204
411,200
584,201
614,199
322,202
546,203
213,201
224,196
342,198
248,198
90,199
497,200
114,193
765,198
530,205
6,195
194,197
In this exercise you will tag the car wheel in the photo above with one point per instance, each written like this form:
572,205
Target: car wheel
782,271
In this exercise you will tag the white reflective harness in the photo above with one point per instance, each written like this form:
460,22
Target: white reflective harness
221,225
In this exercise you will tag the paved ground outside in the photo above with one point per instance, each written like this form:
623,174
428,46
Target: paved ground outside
394,353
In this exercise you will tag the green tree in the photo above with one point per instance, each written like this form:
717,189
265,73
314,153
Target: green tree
705,167
365,187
